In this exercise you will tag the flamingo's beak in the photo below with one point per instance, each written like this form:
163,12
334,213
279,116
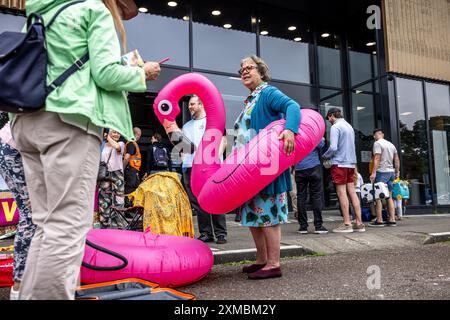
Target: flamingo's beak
170,126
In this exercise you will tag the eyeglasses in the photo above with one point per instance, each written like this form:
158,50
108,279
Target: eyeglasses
247,68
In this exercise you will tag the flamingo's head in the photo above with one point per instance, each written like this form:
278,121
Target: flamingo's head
166,103
167,109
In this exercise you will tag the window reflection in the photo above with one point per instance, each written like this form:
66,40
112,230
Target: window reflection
331,199
149,33
11,22
438,103
329,55
284,40
221,41
414,143
364,122
363,66
363,48
233,93
304,95
331,99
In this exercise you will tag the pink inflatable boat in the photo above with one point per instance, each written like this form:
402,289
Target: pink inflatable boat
170,261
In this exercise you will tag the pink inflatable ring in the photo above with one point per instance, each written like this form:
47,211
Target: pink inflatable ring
170,261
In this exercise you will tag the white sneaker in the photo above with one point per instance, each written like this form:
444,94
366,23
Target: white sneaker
13,295
343,228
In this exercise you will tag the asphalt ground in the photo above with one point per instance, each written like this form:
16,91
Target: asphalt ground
404,273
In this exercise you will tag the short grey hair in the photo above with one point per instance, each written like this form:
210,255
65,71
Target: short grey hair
263,68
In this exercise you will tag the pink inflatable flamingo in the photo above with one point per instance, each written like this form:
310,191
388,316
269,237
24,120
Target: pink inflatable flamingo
222,187
170,261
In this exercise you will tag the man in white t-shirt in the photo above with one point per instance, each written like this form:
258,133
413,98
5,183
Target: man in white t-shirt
386,168
209,225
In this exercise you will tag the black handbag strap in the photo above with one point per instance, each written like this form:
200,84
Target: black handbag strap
64,7
77,65
109,156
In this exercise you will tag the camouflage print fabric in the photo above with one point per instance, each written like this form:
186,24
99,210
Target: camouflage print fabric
111,193
11,169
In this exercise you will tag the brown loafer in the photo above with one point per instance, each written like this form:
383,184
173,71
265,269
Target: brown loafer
252,268
265,274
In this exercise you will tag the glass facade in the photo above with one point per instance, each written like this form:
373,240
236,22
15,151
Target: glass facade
321,57
9,22
220,49
330,73
438,103
413,139
156,30
424,132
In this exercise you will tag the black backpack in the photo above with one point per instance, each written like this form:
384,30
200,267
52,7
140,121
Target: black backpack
160,156
23,66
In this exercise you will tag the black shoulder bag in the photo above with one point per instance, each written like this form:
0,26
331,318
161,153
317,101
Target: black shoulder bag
23,66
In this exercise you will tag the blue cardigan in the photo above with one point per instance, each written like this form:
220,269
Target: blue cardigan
273,105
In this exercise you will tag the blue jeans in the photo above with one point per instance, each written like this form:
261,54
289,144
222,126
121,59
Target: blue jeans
386,177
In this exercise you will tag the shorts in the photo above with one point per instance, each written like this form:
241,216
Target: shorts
386,177
342,175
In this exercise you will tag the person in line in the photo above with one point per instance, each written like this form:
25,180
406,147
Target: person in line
132,161
111,190
343,158
158,156
11,169
308,173
359,182
60,144
264,212
209,225
386,168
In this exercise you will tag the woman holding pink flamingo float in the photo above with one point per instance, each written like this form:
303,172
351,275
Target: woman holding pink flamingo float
254,177
265,211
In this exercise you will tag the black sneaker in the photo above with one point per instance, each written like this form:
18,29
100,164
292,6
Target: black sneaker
391,223
221,240
302,230
376,224
321,230
205,238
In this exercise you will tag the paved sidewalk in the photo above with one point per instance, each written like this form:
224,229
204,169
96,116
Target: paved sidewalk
411,231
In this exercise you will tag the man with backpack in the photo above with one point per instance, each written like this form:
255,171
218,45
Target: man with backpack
209,225
158,156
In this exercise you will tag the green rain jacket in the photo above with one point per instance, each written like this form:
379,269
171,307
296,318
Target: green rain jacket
97,92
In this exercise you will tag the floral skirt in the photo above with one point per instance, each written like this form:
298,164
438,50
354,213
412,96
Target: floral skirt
265,210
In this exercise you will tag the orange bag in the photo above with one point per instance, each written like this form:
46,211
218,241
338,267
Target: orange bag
129,289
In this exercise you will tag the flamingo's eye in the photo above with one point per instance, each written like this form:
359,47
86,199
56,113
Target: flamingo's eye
165,107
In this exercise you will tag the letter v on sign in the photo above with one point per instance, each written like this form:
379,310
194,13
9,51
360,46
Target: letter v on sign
9,213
